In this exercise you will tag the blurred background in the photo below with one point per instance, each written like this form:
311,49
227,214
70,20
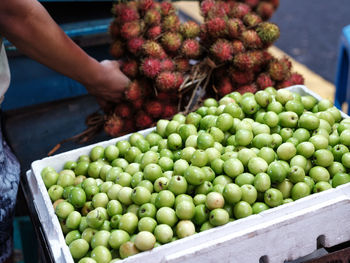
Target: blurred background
310,32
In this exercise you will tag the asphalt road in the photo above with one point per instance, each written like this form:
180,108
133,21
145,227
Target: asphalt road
310,32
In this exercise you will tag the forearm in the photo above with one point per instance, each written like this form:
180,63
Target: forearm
31,29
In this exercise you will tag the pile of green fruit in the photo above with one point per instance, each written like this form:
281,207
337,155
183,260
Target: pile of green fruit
230,159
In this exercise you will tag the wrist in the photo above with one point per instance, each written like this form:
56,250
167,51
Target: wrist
94,74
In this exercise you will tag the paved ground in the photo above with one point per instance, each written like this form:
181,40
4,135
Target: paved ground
310,31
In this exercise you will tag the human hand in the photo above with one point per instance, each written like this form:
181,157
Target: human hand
109,85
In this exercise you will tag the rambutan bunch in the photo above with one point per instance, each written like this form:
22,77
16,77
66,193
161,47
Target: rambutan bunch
155,49
236,36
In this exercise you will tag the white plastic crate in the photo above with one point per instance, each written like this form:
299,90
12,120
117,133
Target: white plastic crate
283,233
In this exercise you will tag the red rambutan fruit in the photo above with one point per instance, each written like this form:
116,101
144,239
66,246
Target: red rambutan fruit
251,39
129,126
130,68
163,96
128,14
137,104
171,41
275,3
133,91
216,27
243,61
279,70
145,5
167,65
297,79
284,84
252,3
251,19
247,88
190,29
169,110
153,49
157,6
113,125
241,77
153,32
224,6
287,63
235,27
152,17
114,30
179,79
182,64
204,36
117,49
264,80
191,48
143,120
268,32
265,10
206,6
167,8
238,47
257,56
134,45
116,8
123,110
147,87
171,23
239,10
220,9
130,30
267,57
222,50
133,4
154,108
231,3
293,79
225,87
150,67
167,81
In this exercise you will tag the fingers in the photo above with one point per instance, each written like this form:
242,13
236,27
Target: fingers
112,63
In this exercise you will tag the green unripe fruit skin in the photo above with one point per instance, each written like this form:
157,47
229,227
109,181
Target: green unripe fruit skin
218,217
78,248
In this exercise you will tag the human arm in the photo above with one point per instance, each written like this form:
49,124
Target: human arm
30,28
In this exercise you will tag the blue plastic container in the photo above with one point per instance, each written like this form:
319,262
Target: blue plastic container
342,82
